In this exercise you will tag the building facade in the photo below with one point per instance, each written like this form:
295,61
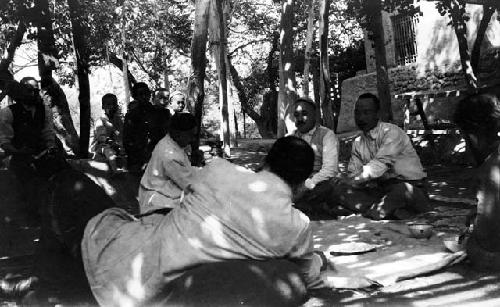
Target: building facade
424,63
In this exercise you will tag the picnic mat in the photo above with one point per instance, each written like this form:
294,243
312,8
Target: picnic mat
396,256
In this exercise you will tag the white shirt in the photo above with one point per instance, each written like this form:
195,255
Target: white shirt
385,151
168,173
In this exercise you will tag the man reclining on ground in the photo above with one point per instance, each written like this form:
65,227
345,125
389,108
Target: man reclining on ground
235,238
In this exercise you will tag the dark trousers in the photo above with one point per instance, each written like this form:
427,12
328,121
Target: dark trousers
235,283
379,199
385,199
29,187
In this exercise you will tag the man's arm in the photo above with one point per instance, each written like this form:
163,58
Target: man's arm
391,146
355,166
178,171
329,168
309,262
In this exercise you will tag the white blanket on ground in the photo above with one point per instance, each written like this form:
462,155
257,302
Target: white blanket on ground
397,257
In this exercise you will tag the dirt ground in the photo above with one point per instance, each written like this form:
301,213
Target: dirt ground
449,187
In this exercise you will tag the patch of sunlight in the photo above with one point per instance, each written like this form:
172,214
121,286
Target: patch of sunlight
351,238
460,147
134,286
78,186
460,295
188,282
121,299
360,264
284,288
213,228
295,280
317,239
347,259
364,230
317,246
104,183
400,254
243,169
287,66
361,226
257,271
195,242
258,186
342,234
495,174
156,172
258,218
99,165
424,143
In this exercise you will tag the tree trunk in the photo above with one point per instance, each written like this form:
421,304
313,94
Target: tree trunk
14,43
259,120
324,72
377,28
287,73
217,41
460,28
113,59
316,89
54,95
126,84
199,63
80,34
307,54
481,31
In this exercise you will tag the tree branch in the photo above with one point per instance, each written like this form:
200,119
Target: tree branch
481,31
14,43
247,44
113,59
242,96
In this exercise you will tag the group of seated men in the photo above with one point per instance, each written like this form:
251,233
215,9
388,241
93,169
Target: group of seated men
226,227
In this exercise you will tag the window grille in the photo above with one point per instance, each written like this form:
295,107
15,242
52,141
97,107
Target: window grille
403,27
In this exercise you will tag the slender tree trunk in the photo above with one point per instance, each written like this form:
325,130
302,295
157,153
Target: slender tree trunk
217,40
377,28
233,132
80,34
199,63
126,84
324,72
316,88
287,73
307,54
54,95
481,31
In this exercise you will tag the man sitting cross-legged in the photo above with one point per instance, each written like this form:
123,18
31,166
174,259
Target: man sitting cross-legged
318,187
234,239
385,176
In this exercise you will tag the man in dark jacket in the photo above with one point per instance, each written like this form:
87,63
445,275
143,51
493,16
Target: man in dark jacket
26,130
141,130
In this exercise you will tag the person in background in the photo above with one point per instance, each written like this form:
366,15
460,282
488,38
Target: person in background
161,103
169,171
108,132
177,101
140,134
318,187
26,129
235,238
385,177
478,118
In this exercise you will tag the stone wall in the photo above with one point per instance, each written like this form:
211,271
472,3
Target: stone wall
431,84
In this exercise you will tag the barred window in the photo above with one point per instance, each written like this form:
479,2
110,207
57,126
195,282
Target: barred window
403,27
